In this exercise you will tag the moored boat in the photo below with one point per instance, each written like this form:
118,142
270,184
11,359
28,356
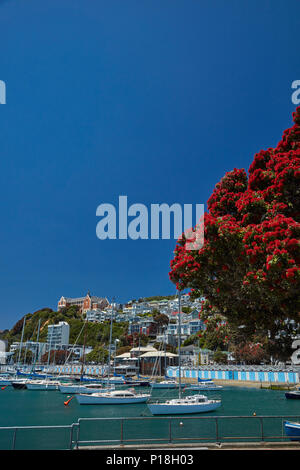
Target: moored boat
48,385
114,380
138,383
164,384
186,405
292,430
202,386
183,405
116,397
19,384
5,381
293,394
88,388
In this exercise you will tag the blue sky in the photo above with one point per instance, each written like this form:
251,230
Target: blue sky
153,100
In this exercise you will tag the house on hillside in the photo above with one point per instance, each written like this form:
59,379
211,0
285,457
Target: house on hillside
89,302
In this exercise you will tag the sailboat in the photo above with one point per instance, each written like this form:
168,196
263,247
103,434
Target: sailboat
113,397
167,383
203,385
183,405
81,388
46,383
20,383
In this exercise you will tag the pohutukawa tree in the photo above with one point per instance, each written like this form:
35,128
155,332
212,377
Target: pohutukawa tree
248,268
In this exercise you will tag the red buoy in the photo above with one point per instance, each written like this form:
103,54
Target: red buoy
68,401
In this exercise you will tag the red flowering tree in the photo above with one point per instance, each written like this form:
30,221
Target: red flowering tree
248,267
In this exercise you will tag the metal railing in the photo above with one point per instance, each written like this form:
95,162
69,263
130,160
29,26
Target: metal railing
16,431
175,429
171,438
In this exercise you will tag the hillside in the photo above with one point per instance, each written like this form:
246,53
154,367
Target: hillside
97,334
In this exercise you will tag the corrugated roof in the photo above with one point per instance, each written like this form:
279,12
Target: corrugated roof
126,354
158,354
144,348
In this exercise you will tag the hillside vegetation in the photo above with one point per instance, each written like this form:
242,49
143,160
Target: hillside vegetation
97,334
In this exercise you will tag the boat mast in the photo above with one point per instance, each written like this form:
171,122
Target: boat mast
50,344
165,346
138,374
21,344
37,348
110,338
179,341
83,356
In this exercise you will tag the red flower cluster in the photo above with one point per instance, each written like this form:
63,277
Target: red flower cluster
251,255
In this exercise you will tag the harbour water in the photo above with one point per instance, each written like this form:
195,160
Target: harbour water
46,408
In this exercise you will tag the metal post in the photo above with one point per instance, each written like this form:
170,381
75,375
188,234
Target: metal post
262,429
71,436
217,430
77,434
14,439
170,430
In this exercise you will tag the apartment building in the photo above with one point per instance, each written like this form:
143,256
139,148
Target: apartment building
58,335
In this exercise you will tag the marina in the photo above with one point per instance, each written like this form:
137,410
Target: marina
44,422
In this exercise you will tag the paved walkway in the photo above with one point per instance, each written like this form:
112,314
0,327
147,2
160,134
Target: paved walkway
206,446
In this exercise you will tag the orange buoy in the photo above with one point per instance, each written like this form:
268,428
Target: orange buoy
68,401
3,388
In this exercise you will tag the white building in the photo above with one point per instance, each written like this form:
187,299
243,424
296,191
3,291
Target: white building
58,335
3,353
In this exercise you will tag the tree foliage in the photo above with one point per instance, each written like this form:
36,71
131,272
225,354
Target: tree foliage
248,267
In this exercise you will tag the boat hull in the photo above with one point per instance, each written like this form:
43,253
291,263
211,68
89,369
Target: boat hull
293,395
5,382
19,385
47,387
90,400
138,383
81,389
201,388
166,409
163,385
292,430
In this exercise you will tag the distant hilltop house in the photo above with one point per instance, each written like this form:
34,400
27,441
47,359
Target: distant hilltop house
89,302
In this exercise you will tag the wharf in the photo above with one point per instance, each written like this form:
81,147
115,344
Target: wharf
256,446
241,383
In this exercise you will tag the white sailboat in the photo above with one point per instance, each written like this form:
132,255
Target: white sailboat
5,381
19,383
44,384
165,384
113,397
187,405
205,385
80,388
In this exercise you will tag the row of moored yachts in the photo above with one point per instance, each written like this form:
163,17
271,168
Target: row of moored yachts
105,392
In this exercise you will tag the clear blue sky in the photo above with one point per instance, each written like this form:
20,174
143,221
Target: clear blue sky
155,100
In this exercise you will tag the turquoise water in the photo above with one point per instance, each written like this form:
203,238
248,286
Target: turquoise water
46,408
